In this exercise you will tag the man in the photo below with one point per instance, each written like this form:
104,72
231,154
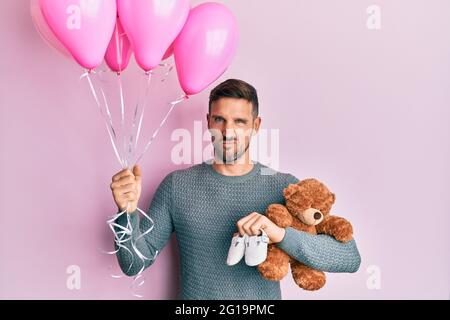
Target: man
207,203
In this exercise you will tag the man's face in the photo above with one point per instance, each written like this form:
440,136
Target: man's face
231,124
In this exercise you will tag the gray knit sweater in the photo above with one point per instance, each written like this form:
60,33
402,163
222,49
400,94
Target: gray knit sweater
202,207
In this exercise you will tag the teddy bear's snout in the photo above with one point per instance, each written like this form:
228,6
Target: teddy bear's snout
311,216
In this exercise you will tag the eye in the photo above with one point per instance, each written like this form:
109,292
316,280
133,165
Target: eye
218,120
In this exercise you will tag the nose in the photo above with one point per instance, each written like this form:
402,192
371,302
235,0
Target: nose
317,215
229,132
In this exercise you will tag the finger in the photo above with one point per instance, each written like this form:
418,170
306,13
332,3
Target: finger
126,180
248,226
242,221
137,171
123,181
117,184
130,196
126,188
247,217
259,224
123,173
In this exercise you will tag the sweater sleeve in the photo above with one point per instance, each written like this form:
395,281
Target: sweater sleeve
154,241
321,252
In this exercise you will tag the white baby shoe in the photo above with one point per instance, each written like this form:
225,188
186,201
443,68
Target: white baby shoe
237,249
256,249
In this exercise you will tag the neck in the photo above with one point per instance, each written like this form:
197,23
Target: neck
239,167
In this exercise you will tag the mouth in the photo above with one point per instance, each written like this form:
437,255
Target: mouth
228,144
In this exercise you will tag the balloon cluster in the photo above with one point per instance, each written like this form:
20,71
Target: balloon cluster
202,39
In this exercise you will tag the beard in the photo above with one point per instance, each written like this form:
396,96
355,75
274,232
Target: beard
229,156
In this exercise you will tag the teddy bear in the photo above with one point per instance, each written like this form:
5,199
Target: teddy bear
308,205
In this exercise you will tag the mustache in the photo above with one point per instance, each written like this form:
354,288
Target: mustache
229,138
225,139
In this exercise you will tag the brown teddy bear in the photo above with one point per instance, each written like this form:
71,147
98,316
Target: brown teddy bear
308,205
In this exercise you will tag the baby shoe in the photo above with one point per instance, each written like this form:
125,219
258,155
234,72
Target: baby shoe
256,249
237,249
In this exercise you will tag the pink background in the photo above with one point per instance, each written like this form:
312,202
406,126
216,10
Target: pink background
368,111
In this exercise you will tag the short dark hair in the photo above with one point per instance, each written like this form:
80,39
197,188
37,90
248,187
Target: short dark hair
235,88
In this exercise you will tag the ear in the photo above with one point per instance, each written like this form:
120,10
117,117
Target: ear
256,125
328,204
207,120
290,191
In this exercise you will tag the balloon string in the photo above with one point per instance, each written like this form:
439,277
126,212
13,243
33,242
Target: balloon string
155,133
165,74
108,123
147,88
142,102
120,232
122,119
119,49
135,116
128,230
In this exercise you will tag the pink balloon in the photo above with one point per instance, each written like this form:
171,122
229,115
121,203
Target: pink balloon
152,26
119,49
44,30
84,27
168,53
205,47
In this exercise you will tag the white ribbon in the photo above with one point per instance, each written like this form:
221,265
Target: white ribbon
124,234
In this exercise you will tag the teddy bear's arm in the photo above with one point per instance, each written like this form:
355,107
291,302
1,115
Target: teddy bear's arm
279,215
337,227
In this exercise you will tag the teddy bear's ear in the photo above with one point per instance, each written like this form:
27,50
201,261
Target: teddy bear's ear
290,191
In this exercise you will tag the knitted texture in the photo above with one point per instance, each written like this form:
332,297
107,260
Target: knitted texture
202,207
